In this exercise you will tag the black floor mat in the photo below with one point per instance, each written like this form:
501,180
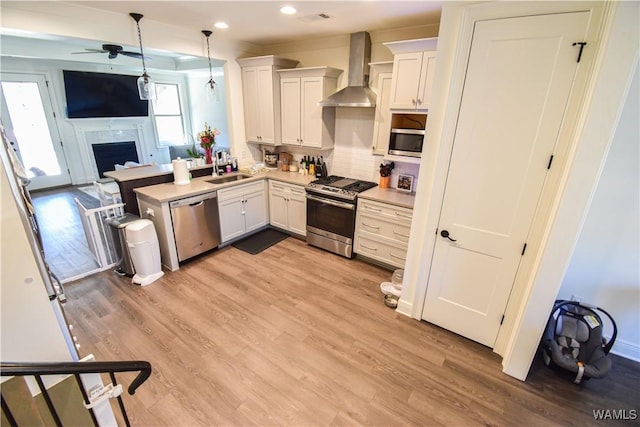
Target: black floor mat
260,241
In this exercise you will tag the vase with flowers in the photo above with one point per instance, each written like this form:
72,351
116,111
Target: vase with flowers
207,140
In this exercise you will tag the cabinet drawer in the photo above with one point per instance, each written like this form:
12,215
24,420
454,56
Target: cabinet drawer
382,228
240,190
377,250
383,210
282,186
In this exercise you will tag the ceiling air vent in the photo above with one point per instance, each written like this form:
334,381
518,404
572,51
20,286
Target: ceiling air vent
314,17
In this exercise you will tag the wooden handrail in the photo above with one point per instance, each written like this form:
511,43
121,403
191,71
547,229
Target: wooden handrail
70,368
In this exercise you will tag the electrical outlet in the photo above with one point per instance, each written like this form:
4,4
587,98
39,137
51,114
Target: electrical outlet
577,298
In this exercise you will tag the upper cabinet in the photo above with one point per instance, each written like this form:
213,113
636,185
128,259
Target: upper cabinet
304,122
414,64
382,74
261,97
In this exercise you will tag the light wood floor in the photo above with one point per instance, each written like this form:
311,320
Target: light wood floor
64,241
298,336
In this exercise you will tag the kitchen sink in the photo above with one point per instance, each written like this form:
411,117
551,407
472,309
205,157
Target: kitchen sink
227,178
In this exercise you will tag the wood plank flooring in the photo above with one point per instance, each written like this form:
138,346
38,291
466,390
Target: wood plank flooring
64,241
298,336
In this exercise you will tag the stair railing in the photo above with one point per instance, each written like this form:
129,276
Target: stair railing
38,370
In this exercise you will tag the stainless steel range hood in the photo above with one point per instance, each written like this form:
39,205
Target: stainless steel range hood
357,92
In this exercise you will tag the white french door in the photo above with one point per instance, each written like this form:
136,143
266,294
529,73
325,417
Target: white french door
519,78
27,117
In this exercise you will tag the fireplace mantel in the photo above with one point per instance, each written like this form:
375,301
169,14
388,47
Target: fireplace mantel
98,132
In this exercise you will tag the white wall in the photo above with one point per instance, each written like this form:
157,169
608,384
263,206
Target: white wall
604,269
210,109
25,308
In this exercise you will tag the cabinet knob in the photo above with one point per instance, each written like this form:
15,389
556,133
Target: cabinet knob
413,101
420,101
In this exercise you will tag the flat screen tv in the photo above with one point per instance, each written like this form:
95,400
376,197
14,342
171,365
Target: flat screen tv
93,95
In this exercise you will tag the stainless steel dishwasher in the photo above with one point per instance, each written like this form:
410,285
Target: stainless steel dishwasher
196,224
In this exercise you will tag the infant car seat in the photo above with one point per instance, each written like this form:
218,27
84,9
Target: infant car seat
573,340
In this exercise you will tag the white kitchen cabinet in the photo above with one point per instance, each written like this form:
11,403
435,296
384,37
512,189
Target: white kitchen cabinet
382,121
412,80
242,209
382,232
304,123
414,64
261,97
288,207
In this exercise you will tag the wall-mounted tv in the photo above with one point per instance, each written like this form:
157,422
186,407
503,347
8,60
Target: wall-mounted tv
94,95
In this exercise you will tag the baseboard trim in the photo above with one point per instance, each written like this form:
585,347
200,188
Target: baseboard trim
626,349
404,307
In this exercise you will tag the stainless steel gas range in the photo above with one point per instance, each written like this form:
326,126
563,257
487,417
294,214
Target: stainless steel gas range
331,212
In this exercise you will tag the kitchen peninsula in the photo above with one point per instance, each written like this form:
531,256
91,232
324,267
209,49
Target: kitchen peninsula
242,200
141,176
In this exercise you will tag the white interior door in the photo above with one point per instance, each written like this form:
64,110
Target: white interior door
27,116
518,81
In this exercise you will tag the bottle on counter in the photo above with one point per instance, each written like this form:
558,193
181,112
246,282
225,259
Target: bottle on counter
312,166
318,168
324,172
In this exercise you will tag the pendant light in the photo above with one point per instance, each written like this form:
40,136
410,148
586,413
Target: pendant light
146,86
211,84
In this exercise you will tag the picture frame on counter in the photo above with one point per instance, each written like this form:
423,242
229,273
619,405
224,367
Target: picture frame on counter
405,183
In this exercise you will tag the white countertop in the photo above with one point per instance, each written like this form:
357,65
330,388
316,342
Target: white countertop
145,171
389,195
169,191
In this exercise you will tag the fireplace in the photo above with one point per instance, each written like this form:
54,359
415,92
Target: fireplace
112,153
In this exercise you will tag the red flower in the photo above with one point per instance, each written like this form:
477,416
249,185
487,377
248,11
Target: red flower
208,136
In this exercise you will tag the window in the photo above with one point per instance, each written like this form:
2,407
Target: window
167,113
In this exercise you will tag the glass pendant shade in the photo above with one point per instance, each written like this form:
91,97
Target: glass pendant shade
146,87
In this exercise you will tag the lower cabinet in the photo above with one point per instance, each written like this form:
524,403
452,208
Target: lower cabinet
288,207
382,232
243,209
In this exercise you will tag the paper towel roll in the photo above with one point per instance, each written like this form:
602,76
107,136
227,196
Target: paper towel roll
180,172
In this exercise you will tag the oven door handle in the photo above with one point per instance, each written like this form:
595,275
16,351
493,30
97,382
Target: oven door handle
335,203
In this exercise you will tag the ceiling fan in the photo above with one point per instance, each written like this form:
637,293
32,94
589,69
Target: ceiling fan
113,50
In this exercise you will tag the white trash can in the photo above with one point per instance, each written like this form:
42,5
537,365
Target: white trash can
144,251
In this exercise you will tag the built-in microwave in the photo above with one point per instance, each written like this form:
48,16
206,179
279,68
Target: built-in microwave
407,134
406,142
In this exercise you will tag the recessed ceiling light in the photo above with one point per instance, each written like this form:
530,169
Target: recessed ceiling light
288,10
221,25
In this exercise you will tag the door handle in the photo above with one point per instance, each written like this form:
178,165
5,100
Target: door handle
445,233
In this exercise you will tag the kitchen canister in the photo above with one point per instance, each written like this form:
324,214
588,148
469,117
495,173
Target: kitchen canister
180,172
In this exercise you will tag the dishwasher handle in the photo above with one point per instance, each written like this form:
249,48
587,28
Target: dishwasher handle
193,201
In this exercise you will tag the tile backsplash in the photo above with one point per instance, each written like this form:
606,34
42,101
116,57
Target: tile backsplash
351,155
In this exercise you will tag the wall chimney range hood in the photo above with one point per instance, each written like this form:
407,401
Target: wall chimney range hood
357,92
